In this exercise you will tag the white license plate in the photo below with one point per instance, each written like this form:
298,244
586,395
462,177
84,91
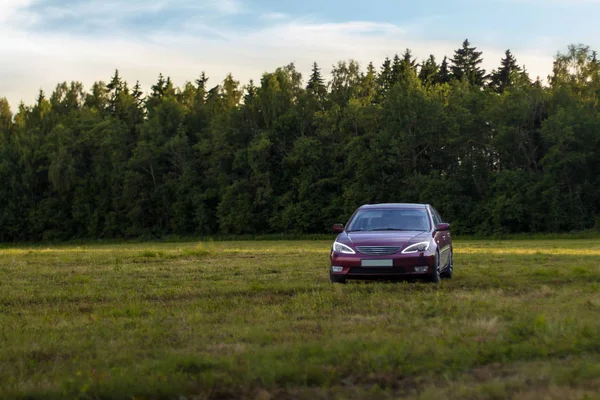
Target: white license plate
376,263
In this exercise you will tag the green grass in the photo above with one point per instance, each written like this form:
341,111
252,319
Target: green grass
259,319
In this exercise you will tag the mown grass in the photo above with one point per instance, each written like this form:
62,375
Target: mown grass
249,319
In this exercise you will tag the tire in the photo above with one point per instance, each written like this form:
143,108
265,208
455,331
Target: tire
449,271
435,276
336,279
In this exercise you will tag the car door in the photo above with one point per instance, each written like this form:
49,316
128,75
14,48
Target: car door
442,238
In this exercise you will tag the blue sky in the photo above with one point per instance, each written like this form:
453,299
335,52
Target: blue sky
49,41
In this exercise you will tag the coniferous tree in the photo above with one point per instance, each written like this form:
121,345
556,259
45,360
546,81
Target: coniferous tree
169,87
443,75
5,118
159,88
408,60
316,83
137,94
231,92
369,85
402,65
503,77
251,92
201,88
137,109
466,64
115,85
396,69
429,71
117,92
385,78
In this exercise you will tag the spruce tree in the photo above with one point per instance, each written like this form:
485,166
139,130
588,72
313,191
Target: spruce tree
443,75
505,75
369,85
115,87
159,88
138,94
115,83
40,98
251,92
138,98
402,65
316,83
466,64
201,88
385,76
396,69
231,91
5,119
169,87
408,60
429,71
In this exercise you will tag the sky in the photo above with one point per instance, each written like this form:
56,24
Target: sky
44,42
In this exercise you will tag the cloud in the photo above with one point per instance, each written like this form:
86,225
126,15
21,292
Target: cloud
274,16
8,8
39,58
228,6
116,16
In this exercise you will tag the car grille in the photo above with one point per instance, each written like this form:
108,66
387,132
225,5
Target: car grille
369,271
377,250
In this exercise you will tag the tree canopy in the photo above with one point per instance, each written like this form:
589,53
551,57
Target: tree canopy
495,154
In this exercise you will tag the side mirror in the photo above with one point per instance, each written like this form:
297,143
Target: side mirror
443,227
338,228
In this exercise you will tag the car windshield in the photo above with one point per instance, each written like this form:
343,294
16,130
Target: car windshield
390,220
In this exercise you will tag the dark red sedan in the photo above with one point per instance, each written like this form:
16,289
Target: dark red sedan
392,241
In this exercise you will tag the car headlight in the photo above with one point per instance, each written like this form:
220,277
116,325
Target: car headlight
342,248
417,247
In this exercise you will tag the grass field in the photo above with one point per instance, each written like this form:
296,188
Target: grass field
520,319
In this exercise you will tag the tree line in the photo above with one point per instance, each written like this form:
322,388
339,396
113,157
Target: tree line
495,152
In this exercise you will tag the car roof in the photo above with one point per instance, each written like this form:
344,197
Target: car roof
393,206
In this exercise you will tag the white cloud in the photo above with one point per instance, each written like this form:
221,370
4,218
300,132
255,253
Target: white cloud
274,16
228,6
8,8
31,61
101,13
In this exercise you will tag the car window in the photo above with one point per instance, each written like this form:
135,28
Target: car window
399,219
437,219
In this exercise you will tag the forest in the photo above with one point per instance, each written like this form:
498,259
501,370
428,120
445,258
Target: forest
496,152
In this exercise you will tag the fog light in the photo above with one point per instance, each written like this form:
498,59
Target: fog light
421,269
337,269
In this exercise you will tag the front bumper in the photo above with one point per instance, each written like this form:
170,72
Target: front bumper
403,265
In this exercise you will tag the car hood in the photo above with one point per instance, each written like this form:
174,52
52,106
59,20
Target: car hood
387,238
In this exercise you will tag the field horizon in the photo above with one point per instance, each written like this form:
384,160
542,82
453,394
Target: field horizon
142,240
259,320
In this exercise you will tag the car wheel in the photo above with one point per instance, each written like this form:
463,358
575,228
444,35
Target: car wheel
450,270
336,279
436,277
